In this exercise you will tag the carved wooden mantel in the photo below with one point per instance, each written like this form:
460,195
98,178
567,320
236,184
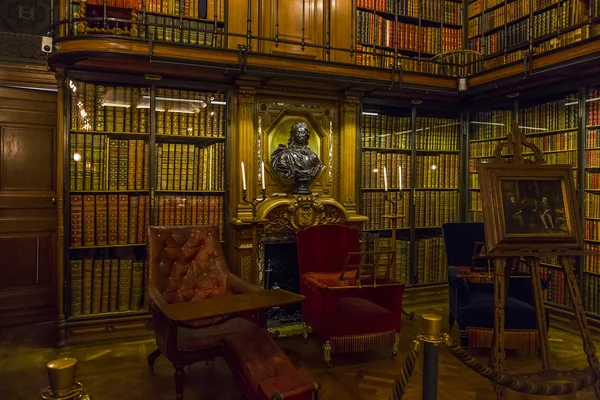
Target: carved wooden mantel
286,215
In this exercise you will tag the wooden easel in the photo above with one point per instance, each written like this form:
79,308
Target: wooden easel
503,265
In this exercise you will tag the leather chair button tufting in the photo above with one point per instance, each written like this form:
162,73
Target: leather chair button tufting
161,263
158,235
209,233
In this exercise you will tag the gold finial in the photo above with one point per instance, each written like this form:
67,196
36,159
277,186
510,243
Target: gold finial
432,325
61,375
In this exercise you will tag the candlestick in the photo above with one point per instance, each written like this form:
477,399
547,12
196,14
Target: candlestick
254,202
385,179
243,177
262,172
400,177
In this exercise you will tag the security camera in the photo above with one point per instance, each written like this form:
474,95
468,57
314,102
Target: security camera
46,44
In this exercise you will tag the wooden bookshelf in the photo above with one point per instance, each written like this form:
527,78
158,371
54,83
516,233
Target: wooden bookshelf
504,31
179,21
138,156
430,162
416,31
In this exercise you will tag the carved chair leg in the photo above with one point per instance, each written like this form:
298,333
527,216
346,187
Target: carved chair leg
327,353
396,345
152,358
305,332
179,375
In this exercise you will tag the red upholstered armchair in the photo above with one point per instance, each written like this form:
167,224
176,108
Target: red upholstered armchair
354,312
187,264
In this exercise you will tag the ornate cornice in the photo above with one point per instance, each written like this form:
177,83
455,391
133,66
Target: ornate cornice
292,214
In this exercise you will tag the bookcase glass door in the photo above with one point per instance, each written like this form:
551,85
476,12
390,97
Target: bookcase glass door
436,190
591,209
107,199
553,125
486,130
190,154
386,138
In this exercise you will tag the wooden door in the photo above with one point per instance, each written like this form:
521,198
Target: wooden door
27,211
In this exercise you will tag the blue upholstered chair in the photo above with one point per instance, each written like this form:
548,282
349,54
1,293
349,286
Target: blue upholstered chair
471,299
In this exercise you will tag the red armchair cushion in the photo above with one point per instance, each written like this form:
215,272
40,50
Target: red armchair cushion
210,337
325,248
318,280
187,264
358,316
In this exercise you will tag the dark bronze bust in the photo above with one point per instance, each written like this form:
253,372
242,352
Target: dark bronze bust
296,161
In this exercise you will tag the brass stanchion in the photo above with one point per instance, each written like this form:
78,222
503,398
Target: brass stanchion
61,376
431,337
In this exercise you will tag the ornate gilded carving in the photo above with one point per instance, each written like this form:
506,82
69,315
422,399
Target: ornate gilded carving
247,267
304,212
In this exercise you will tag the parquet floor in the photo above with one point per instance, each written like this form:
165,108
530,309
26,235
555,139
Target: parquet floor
117,370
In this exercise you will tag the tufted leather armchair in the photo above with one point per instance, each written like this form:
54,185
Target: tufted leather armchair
187,264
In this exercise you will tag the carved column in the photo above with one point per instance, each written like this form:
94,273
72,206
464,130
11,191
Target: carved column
242,149
60,228
348,152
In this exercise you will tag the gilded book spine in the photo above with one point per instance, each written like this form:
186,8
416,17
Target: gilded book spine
125,270
76,286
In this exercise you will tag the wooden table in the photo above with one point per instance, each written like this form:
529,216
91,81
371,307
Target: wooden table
232,304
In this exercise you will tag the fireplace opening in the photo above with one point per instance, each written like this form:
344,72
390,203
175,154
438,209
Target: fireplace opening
281,272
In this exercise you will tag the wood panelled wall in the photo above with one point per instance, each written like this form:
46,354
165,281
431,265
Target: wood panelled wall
318,15
27,204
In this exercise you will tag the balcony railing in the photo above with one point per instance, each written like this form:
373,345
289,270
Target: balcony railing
410,43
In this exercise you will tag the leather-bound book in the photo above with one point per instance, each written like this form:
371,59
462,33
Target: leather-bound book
212,212
133,218
202,9
96,162
135,111
188,210
99,121
87,162
194,211
89,104
202,210
177,167
105,286
87,286
137,279
195,167
160,215
113,286
120,111
191,163
144,113
139,165
127,121
131,161
72,162
125,267
123,164
89,229
76,220
179,210
101,219
113,219
123,224
96,286
113,164
159,166
141,225
185,151
76,286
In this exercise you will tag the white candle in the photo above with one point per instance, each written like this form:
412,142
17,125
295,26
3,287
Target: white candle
400,177
243,177
262,171
385,179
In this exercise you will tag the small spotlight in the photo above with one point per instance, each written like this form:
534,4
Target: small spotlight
77,157
434,166
375,170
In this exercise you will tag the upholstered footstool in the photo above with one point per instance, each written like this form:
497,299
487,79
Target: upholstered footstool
263,370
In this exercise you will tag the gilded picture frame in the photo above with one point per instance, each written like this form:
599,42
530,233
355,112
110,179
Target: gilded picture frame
530,207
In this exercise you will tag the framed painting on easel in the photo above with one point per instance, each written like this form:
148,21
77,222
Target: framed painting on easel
530,206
